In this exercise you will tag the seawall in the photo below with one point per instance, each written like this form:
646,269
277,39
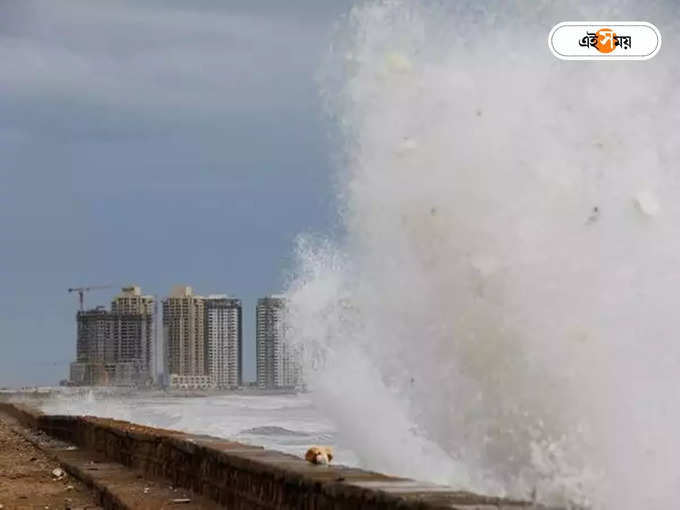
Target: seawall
245,477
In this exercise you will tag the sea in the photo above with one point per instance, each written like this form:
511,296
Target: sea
288,423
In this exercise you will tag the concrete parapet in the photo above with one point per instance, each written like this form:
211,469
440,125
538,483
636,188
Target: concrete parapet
244,477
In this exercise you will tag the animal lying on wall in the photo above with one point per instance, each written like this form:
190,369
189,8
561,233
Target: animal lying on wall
319,455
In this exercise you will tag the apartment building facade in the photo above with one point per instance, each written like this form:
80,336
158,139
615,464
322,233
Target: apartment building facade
133,335
278,363
184,333
224,340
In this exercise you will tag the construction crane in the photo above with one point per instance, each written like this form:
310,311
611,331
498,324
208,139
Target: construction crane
82,290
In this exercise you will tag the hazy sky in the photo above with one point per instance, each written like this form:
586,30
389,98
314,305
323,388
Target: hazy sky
166,143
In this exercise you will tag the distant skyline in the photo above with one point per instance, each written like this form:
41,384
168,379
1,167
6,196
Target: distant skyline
162,144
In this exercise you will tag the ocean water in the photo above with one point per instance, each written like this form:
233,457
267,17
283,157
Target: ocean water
287,423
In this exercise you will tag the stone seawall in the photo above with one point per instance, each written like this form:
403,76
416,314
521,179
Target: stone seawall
244,477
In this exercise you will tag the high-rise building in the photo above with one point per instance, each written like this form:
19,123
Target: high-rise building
93,343
131,301
224,339
115,348
184,333
278,363
133,335
94,347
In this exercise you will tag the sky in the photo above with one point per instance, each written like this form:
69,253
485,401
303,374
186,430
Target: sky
156,143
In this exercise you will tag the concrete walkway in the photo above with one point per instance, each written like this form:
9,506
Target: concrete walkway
40,472
26,476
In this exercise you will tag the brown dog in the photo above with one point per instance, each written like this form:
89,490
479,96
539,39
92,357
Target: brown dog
319,455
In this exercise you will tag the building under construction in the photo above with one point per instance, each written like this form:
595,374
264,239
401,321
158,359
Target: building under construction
115,348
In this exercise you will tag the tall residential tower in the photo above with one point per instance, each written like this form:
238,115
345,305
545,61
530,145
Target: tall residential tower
184,333
224,340
203,340
132,315
278,363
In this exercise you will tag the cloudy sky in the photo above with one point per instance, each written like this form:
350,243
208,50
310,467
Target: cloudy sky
158,143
